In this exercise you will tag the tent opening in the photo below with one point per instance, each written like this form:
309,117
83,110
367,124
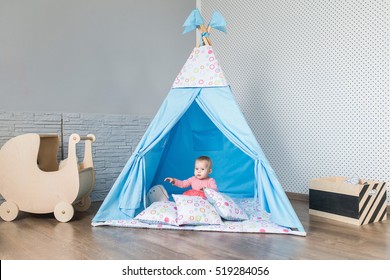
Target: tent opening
192,136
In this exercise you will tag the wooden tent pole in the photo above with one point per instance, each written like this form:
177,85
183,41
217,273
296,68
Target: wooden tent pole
206,40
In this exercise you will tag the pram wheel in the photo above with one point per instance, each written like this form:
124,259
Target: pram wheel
9,211
63,212
83,205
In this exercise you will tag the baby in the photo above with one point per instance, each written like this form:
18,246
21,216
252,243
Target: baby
200,180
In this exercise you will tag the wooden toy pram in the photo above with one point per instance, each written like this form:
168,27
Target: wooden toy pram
32,180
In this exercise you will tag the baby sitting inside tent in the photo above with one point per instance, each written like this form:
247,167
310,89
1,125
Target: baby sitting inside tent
200,180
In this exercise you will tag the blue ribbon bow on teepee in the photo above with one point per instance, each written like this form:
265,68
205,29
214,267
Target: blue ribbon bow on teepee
218,22
195,20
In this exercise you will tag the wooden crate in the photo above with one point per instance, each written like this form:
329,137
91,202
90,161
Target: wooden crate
360,204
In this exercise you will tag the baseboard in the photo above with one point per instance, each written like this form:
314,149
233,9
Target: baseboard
297,196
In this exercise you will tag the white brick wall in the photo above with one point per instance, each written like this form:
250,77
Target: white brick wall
116,138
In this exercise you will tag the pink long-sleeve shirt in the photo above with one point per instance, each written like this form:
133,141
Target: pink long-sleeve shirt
196,184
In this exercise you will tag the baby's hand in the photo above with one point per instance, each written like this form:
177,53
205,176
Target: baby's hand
171,180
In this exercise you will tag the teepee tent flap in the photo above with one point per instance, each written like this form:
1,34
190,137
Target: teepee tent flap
125,196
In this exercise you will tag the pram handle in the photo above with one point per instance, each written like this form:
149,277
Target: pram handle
75,137
90,137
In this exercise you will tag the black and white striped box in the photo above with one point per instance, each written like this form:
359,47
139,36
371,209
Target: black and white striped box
360,204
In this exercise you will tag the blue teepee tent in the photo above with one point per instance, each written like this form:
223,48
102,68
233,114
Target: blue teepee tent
199,117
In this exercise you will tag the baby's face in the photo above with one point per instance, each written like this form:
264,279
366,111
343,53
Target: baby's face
202,169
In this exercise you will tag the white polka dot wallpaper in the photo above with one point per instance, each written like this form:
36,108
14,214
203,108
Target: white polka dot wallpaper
312,79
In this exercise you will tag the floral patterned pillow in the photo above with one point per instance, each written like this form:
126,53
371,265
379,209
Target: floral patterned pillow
225,206
194,210
159,212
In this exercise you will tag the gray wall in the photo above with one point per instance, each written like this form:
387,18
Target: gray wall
91,56
97,66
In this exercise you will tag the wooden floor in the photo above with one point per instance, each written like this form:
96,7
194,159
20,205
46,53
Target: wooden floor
41,237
